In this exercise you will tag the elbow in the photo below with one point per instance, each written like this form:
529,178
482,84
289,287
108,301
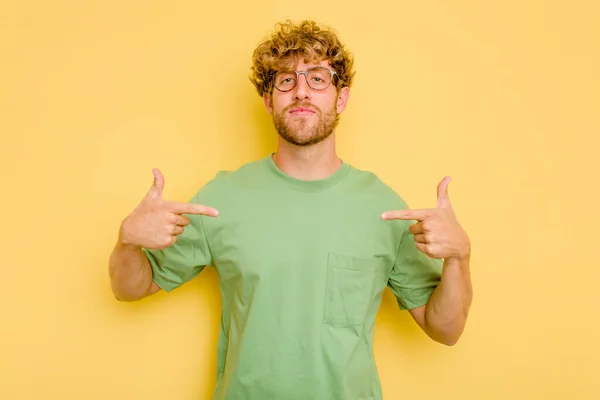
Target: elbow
125,290
450,341
445,330
126,294
126,299
451,334
447,334
120,298
446,338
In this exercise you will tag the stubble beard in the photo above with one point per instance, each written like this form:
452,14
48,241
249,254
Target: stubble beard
303,131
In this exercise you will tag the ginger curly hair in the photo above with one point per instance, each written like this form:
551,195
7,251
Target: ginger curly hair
289,43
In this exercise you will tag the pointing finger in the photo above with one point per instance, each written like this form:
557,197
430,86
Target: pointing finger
186,208
418,215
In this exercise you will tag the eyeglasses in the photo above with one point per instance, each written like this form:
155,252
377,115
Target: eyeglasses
318,78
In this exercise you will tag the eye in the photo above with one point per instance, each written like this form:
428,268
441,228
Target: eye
286,78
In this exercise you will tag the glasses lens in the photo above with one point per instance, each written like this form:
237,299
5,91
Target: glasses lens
319,78
285,81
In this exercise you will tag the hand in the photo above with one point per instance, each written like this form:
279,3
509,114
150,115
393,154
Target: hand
437,231
155,223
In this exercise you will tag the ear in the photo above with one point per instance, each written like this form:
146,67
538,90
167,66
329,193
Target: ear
342,99
268,100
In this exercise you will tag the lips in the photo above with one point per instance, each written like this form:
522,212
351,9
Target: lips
301,110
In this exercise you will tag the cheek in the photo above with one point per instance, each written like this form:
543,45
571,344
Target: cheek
279,103
332,101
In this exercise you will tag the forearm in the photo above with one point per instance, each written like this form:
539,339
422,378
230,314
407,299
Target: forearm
130,272
448,307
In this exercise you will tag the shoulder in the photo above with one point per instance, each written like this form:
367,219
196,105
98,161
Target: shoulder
370,184
226,182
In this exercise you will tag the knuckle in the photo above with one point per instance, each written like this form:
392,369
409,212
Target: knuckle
165,241
430,225
430,250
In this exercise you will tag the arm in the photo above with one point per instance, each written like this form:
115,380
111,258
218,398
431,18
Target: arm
438,234
130,273
154,224
444,316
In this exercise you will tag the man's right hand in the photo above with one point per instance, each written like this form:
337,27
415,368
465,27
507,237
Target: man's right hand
155,223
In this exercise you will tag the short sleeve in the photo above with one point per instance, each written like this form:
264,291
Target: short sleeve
414,275
175,265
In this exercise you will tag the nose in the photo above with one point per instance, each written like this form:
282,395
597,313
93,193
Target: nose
302,90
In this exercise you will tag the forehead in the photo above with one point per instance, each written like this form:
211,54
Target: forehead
303,65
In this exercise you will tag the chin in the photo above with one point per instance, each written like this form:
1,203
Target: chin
304,140
303,131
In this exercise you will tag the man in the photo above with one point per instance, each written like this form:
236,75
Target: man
304,244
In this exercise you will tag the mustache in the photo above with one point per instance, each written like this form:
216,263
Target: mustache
303,105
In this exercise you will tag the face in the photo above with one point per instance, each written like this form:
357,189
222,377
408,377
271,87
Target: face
304,116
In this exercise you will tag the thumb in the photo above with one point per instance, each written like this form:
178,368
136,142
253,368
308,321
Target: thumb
158,184
442,193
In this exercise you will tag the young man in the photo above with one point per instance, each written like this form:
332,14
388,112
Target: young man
304,244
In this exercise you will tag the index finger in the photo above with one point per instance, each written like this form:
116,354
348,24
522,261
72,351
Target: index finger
186,208
418,215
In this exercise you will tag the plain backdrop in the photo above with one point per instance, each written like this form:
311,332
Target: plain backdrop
500,95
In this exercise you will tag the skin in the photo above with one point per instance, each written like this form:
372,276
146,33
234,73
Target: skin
154,224
306,150
318,160
439,235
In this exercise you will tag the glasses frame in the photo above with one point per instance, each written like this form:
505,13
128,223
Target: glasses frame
305,73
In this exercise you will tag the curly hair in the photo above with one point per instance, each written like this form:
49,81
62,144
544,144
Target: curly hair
291,43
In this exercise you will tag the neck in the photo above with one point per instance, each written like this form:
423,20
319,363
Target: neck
307,162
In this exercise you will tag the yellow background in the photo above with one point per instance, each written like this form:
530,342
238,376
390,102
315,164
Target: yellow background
501,95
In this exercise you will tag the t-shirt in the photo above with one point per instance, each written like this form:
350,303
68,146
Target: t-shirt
302,267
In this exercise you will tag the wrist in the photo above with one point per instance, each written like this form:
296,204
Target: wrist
461,259
126,246
124,242
464,252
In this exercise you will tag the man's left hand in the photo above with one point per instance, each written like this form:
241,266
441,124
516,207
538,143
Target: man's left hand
437,230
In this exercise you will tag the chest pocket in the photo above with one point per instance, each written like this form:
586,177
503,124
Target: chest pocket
350,289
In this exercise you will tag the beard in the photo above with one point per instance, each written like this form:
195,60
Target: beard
304,131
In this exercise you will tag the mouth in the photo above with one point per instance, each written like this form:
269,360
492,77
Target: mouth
301,111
